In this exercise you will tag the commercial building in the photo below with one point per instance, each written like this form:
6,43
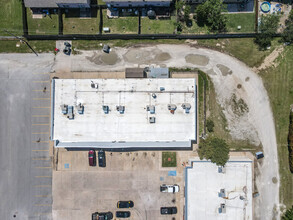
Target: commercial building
219,193
146,113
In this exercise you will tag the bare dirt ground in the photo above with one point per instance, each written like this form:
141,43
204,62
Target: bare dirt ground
240,92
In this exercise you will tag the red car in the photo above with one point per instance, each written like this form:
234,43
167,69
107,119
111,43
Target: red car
92,158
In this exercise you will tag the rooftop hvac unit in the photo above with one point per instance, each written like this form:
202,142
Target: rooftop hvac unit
64,109
152,120
94,85
120,109
162,89
221,169
222,193
172,108
154,95
80,108
151,109
70,114
187,107
106,109
222,208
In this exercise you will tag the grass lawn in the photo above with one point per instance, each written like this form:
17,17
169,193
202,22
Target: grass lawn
194,29
9,46
45,25
10,17
121,25
163,26
169,159
81,25
279,84
245,20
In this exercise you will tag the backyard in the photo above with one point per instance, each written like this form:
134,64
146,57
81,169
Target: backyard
245,20
157,26
10,17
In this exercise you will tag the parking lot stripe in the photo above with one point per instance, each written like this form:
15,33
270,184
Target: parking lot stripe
43,176
43,196
40,150
39,124
42,107
41,81
47,158
40,90
40,141
43,186
41,73
40,116
43,205
43,167
41,98
40,133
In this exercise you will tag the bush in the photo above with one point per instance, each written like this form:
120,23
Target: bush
288,214
210,125
214,149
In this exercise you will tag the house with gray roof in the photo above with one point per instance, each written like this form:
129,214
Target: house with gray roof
57,4
137,3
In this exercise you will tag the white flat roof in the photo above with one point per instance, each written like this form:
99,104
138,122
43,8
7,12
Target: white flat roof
204,183
133,126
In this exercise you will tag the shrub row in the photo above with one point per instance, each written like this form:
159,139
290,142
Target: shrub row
290,141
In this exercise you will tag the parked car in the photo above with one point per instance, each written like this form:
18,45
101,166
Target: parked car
92,158
102,158
67,44
259,155
123,214
168,210
106,48
125,204
67,50
169,188
102,216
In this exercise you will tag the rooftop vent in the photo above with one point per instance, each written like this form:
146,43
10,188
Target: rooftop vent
70,114
172,108
64,109
152,120
221,169
151,109
94,85
162,89
120,109
154,95
106,109
80,108
222,193
222,208
187,107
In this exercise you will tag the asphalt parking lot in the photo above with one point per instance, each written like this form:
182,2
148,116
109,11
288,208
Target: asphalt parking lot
79,190
25,161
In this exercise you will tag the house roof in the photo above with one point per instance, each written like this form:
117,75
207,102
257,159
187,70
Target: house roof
51,3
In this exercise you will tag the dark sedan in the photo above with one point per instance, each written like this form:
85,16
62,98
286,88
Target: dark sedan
125,204
168,210
123,214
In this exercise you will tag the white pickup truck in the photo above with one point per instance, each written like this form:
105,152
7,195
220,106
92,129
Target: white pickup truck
169,188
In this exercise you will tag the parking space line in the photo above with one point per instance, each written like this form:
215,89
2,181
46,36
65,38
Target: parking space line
41,98
43,186
41,73
43,176
40,150
40,116
40,133
40,158
43,205
40,141
41,81
43,167
42,195
40,90
39,124
43,107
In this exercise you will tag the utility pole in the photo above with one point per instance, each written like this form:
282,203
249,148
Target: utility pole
22,40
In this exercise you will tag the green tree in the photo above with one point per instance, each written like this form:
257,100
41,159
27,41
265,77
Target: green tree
210,125
214,149
187,11
288,214
267,28
210,14
288,32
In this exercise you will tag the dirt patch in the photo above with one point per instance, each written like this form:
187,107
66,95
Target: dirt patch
239,86
270,59
109,58
197,59
211,72
137,56
95,58
247,79
224,70
162,57
239,107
